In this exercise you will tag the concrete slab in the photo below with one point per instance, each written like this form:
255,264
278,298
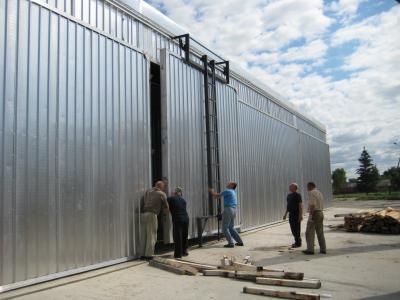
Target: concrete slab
357,266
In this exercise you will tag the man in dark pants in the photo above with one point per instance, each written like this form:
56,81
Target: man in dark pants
180,221
295,209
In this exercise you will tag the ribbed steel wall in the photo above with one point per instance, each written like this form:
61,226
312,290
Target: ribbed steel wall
227,111
268,163
315,165
114,19
183,129
74,143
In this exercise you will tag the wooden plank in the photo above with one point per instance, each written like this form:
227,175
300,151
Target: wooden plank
252,275
305,283
196,265
222,273
281,294
236,266
167,267
189,270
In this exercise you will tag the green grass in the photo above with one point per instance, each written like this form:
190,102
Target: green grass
370,196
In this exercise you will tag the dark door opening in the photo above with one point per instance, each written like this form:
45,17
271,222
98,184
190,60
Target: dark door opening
155,119
155,116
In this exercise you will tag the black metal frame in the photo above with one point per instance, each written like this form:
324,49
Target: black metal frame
184,46
226,69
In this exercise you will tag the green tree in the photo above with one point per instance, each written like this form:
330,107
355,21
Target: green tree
393,174
339,179
368,173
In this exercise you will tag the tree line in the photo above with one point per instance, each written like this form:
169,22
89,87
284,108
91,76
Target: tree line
368,176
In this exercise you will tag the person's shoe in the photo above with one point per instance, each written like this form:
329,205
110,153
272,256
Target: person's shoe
229,246
177,256
322,251
239,244
306,252
296,245
185,254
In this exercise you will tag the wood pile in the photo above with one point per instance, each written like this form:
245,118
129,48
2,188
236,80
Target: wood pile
231,268
384,221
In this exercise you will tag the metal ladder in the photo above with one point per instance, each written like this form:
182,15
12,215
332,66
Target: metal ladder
208,68
213,162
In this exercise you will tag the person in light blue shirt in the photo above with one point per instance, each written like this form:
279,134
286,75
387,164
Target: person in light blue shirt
229,214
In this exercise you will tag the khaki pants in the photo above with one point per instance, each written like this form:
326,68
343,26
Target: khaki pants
315,225
148,236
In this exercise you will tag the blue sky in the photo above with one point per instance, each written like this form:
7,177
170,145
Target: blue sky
338,61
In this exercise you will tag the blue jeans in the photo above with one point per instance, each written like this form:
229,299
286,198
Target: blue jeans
228,222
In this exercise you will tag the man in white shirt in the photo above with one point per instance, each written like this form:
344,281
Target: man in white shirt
315,223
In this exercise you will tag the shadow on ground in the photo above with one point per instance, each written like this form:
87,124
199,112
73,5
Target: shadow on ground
297,255
392,296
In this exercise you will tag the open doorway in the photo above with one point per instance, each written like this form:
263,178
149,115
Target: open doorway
155,108
155,118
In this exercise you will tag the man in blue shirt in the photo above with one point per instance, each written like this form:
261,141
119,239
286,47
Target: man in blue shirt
229,214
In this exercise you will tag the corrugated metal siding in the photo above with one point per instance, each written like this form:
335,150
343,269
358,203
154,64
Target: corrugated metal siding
228,142
113,20
268,164
306,127
315,166
116,22
183,130
75,153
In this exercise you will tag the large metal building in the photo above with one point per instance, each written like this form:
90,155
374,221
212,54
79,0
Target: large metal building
99,98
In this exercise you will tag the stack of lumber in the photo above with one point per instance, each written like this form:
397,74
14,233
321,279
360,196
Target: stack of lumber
384,221
261,275
231,268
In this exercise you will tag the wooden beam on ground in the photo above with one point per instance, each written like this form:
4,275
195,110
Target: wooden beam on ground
195,264
222,273
167,267
236,266
347,215
305,283
281,294
252,275
189,270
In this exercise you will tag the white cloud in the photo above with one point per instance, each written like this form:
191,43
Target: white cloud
345,10
342,7
237,26
312,51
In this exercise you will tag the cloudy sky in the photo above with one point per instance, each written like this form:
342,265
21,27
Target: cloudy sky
339,61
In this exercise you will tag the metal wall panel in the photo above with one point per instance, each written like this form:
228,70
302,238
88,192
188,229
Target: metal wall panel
74,143
228,142
115,20
268,164
315,166
182,97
